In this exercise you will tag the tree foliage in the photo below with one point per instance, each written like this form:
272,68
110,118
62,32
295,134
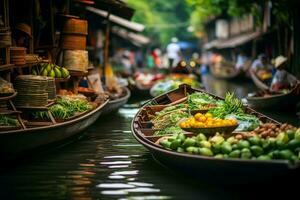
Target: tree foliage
163,19
204,9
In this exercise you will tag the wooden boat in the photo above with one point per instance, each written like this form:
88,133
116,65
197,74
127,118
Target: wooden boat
138,90
114,105
225,71
276,101
261,85
207,168
18,142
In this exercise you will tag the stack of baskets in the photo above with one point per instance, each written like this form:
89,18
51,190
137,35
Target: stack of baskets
5,38
32,91
74,34
73,42
17,55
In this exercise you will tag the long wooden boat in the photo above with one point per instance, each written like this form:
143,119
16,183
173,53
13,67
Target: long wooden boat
14,143
114,105
207,168
276,101
259,84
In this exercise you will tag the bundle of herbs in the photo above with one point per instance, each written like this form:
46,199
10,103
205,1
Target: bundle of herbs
169,116
65,107
230,105
8,121
199,100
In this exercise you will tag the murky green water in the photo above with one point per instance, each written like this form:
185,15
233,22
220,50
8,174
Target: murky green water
107,163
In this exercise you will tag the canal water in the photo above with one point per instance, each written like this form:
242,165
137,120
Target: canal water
108,163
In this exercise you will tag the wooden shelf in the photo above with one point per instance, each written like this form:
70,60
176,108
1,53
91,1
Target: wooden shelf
9,112
6,67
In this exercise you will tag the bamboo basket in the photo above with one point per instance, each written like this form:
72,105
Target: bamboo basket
73,42
75,26
5,39
76,60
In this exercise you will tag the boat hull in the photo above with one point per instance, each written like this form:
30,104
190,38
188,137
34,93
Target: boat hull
259,84
233,171
228,171
15,143
114,105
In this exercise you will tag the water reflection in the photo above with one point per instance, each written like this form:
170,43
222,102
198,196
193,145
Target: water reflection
108,163
221,86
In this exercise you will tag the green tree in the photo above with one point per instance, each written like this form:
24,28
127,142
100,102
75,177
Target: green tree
163,19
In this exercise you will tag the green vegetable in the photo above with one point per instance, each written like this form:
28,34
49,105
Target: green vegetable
264,157
282,137
188,142
230,105
201,137
169,130
291,134
219,156
297,134
293,144
179,149
165,143
198,100
8,121
254,140
191,149
286,154
246,153
205,144
175,144
205,152
243,144
256,150
235,154
226,148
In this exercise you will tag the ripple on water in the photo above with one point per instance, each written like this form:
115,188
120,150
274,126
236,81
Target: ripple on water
133,172
118,166
116,162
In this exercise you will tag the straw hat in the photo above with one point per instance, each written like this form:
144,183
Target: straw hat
24,28
280,60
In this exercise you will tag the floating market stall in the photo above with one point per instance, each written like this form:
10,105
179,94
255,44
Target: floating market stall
41,102
216,139
274,100
267,99
172,82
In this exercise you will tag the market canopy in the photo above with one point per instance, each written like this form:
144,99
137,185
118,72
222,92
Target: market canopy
116,7
232,42
117,20
136,39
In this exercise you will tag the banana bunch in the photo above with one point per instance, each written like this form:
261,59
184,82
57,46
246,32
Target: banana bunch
51,70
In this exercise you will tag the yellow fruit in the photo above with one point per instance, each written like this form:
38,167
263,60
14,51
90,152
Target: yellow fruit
208,115
198,115
202,119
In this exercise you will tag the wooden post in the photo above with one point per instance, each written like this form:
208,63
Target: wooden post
106,48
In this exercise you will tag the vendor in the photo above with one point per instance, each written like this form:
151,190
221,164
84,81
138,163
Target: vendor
262,68
282,79
22,35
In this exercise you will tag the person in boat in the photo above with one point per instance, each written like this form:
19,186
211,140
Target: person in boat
282,79
241,61
262,68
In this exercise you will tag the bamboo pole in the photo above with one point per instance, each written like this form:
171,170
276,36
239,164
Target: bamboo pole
106,48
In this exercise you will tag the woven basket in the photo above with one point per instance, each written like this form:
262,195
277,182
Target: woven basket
5,39
76,60
75,26
73,42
